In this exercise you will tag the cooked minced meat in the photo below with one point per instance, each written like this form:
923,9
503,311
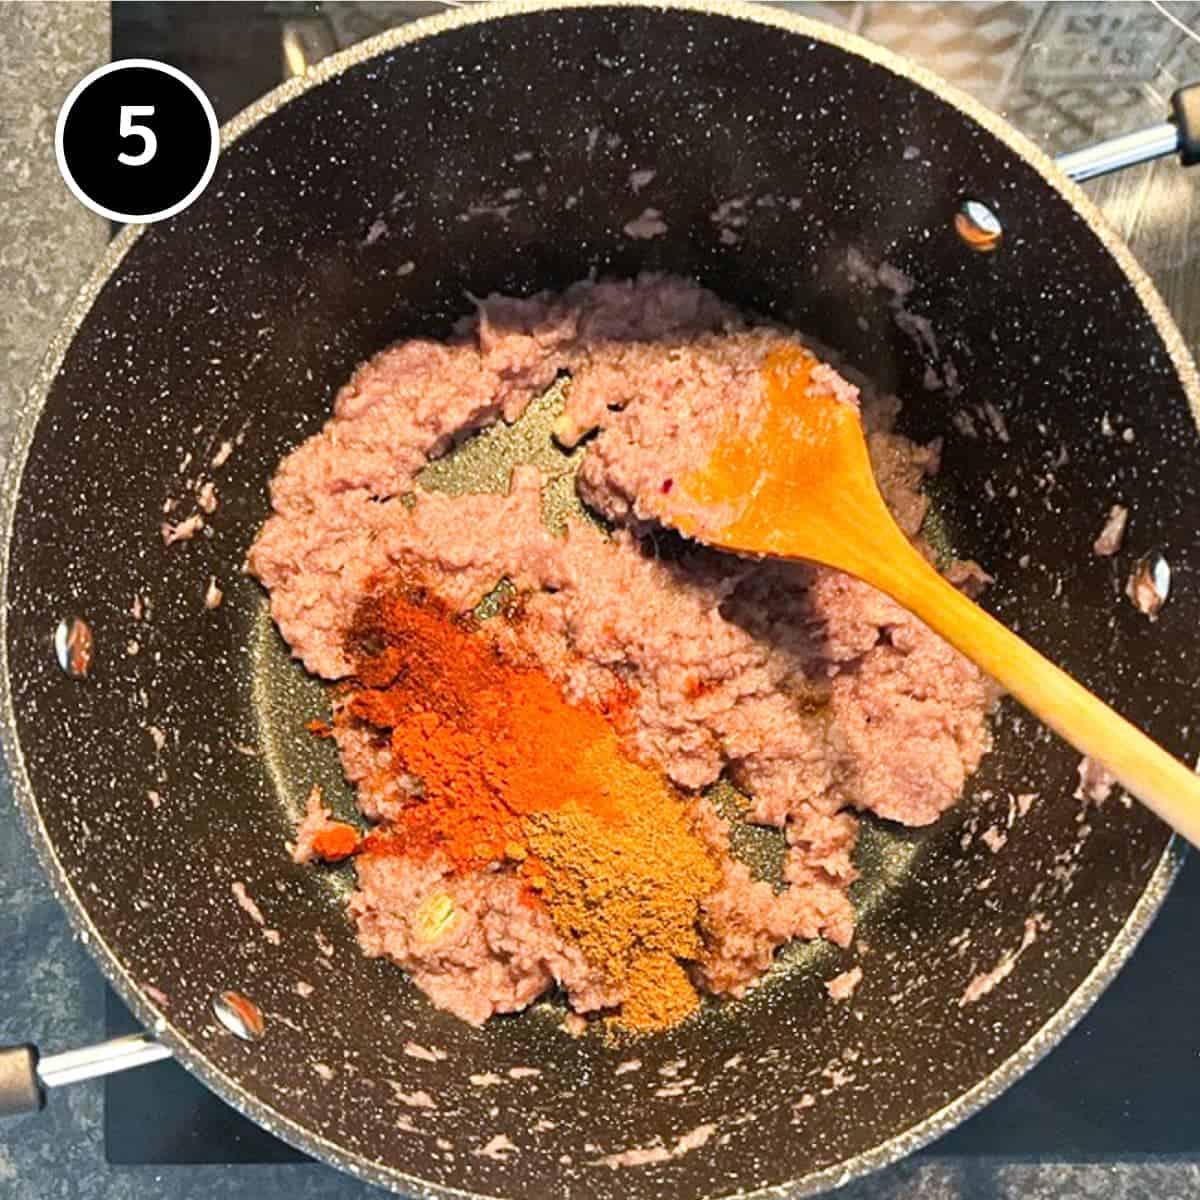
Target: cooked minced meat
811,691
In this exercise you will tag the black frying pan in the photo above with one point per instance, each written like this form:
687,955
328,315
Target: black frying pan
236,321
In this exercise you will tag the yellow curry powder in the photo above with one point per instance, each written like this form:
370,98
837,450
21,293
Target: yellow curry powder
628,889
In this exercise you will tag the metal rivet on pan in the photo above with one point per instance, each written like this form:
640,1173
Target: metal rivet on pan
978,226
74,646
242,1017
1149,583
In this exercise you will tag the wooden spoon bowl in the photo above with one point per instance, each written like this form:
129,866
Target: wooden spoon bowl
802,487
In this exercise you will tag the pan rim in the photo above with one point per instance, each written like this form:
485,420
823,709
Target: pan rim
28,412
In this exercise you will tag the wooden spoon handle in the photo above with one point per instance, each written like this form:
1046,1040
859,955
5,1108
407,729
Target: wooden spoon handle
1144,768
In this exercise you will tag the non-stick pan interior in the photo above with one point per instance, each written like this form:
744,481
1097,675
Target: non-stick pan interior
497,156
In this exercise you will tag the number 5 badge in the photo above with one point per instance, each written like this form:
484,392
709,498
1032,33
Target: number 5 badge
137,140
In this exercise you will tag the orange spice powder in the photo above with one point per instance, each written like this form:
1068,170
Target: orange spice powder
511,773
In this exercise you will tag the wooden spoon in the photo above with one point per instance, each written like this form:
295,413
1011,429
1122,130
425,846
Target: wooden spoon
799,485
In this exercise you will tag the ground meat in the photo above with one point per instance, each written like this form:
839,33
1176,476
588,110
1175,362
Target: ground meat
667,402
843,986
746,920
969,577
1148,585
900,469
494,953
246,902
366,762
648,225
206,497
213,595
316,821
1096,781
640,179
335,498
183,532
814,693
910,719
1109,540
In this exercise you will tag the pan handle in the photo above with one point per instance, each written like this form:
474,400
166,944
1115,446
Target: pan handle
1180,134
25,1075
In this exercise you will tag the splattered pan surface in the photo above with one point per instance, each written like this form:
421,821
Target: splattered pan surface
479,154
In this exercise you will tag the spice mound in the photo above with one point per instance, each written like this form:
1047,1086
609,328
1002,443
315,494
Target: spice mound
533,764
515,779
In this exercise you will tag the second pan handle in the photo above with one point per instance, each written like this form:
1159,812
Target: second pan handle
25,1075
1179,134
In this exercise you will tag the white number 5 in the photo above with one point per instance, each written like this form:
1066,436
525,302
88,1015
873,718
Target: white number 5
129,129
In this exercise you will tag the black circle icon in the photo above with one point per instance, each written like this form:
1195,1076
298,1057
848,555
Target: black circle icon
137,140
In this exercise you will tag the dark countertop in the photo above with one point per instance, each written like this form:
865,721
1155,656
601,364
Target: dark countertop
50,991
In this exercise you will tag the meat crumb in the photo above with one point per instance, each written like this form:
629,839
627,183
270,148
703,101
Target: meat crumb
730,213
987,981
432,1054
156,994
640,179
645,1155
996,420
842,986
498,1148
1113,534
154,797
574,1024
838,1078
320,837
304,989
500,211
649,225
246,902
969,577
1148,585
1096,782
961,420
994,839
184,531
222,455
213,594
894,687
206,497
